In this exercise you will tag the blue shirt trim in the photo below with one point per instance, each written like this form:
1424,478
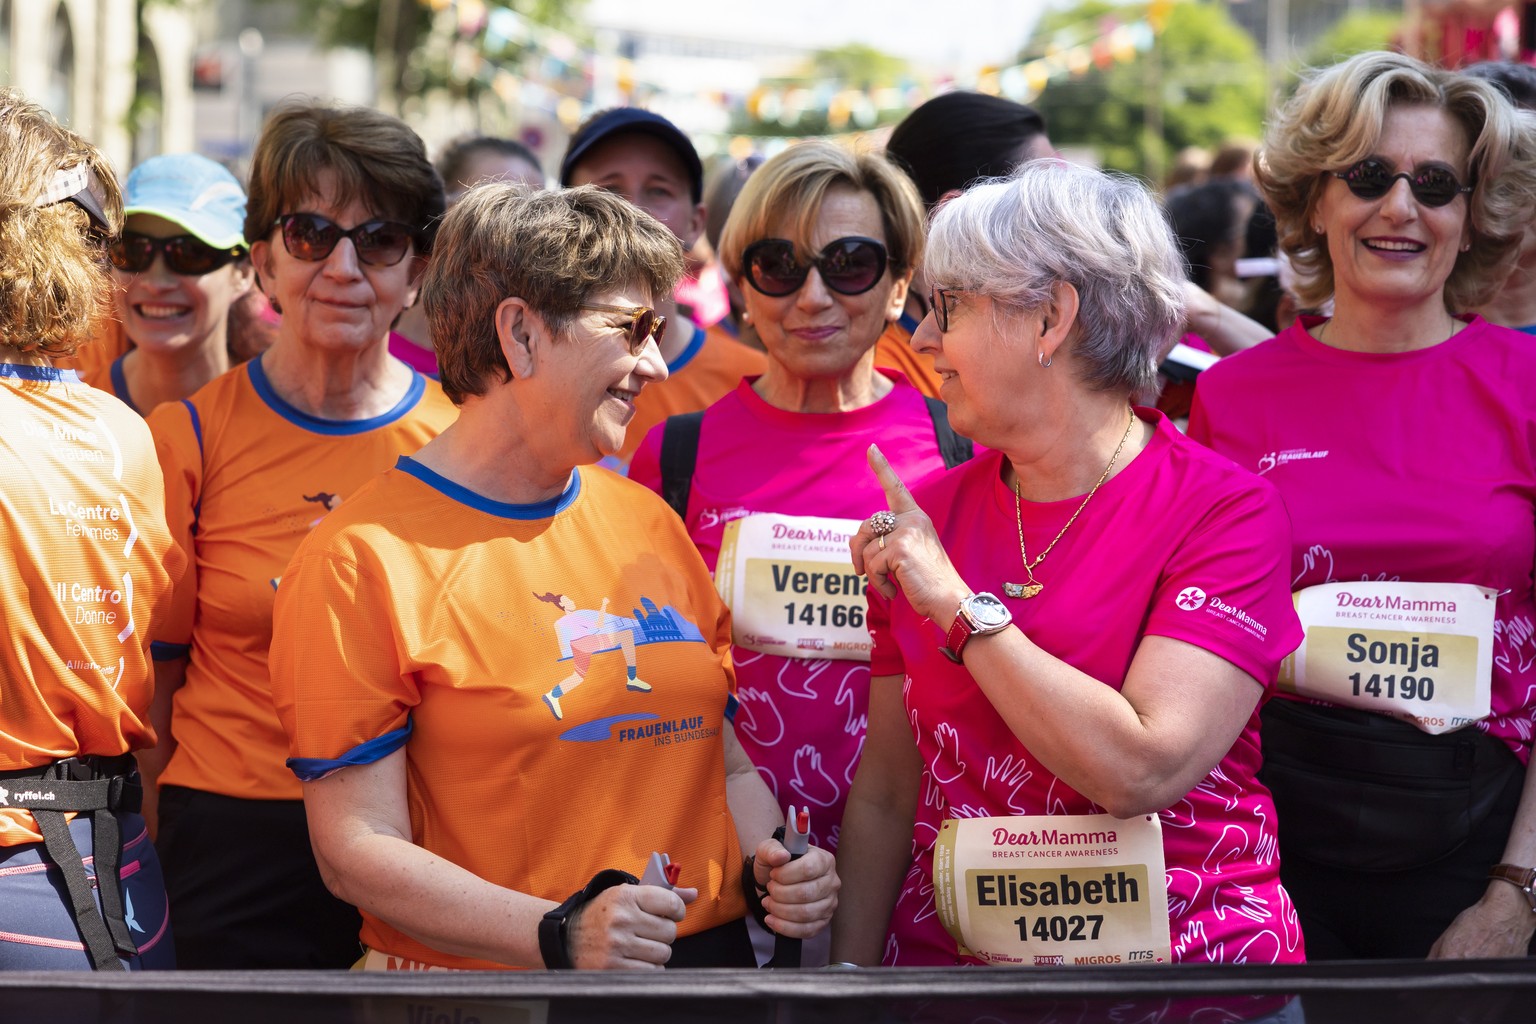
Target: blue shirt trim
316,424
159,650
731,704
506,510
120,384
695,346
46,374
909,322
308,769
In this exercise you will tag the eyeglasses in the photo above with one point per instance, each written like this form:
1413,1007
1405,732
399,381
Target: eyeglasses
186,255
643,324
938,301
848,266
311,237
1431,184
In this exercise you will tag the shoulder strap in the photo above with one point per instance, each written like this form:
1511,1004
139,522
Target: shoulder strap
679,456
202,455
952,446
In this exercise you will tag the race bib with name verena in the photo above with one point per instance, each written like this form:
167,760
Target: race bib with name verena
791,587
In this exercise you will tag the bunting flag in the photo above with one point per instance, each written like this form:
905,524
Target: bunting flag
542,69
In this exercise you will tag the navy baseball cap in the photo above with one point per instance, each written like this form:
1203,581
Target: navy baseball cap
625,120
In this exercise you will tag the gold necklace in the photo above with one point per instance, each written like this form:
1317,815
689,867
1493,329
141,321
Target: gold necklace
1031,588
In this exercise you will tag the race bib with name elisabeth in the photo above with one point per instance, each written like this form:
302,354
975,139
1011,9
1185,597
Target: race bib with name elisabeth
1054,890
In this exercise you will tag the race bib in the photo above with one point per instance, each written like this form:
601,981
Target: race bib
1052,891
791,588
1420,652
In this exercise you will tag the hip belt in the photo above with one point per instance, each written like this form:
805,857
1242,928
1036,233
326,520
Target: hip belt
84,785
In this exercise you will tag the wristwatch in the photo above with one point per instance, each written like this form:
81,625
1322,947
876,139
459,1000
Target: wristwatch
554,926
979,615
1523,879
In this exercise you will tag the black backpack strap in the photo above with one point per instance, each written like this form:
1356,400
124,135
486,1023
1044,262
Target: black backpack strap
679,457
74,785
952,446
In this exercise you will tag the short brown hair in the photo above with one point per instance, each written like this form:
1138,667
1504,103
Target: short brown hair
1336,119
552,249
796,181
376,159
54,283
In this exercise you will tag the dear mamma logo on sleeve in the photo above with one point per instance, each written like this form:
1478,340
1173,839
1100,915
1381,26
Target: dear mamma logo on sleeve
1058,890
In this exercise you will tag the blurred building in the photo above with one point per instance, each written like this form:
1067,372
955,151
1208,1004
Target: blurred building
140,78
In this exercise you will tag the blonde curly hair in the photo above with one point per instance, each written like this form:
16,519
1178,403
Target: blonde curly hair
1336,118
54,282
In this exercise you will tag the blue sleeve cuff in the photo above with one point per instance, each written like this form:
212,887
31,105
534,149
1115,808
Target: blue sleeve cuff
162,651
731,704
309,769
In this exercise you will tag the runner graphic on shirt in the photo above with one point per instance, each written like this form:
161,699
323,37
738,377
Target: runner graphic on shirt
583,633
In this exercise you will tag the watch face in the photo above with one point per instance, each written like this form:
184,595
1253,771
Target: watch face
986,612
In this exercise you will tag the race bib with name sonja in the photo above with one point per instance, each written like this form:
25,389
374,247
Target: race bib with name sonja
1054,890
791,587
1419,652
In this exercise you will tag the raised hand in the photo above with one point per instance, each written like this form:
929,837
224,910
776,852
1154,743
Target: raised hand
912,558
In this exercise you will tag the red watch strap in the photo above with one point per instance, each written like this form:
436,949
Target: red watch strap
955,639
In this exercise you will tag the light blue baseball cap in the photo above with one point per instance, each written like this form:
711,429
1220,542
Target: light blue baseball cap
192,191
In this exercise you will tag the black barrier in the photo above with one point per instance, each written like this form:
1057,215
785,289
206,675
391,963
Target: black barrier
1401,992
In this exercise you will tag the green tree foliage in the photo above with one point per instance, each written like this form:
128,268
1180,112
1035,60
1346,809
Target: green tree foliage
1357,32
1206,71
403,36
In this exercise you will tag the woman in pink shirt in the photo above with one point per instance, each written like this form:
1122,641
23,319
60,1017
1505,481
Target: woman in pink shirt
1400,433
1073,632
822,243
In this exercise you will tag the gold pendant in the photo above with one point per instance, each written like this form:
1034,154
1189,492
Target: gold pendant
1023,590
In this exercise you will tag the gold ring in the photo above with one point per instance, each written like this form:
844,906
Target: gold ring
882,542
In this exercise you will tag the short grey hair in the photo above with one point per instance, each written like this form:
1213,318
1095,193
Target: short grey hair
1013,238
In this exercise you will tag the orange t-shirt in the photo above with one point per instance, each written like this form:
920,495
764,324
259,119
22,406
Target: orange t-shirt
247,476
109,378
893,351
706,371
423,615
106,344
88,567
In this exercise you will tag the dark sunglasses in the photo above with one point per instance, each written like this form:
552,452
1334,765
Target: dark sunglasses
849,266
379,243
643,323
189,256
1431,184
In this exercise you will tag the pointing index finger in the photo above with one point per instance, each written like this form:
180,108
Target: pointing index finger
897,498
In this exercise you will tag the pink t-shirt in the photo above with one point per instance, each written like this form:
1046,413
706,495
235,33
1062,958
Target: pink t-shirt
801,720
1180,544
422,360
1416,466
